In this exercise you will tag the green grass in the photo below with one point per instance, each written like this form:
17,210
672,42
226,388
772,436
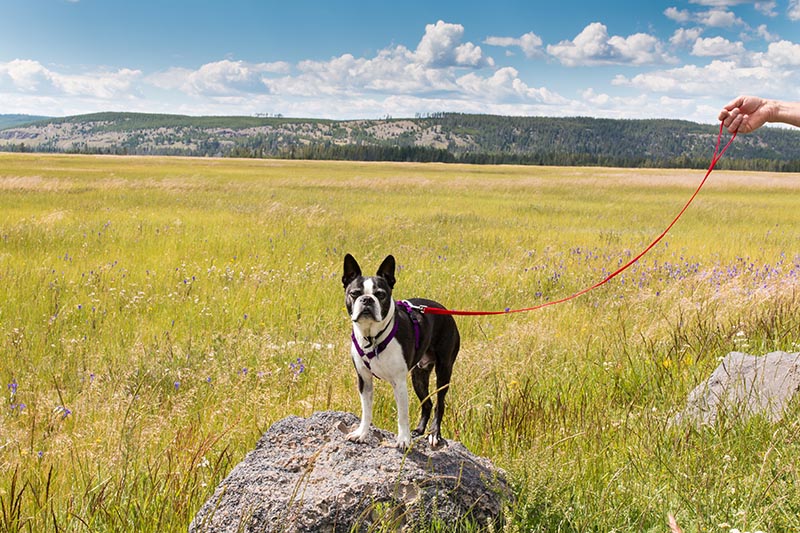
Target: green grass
151,310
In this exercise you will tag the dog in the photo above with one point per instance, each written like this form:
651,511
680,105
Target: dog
391,338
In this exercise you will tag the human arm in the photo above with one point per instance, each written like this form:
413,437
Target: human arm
746,114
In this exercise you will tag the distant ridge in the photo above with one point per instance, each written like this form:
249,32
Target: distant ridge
440,137
7,121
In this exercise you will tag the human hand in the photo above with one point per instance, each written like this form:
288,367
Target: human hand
745,114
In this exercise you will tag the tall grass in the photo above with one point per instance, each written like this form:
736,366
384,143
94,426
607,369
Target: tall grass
158,314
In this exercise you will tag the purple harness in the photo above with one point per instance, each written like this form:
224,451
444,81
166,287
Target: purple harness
366,357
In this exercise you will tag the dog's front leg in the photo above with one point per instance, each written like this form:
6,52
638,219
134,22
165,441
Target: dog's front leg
401,399
362,432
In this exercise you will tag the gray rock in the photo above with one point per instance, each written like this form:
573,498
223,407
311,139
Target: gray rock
304,475
745,385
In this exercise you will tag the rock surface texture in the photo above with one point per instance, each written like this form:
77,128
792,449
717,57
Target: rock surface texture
745,385
304,475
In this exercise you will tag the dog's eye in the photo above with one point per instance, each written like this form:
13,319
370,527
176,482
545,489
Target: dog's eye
355,293
380,294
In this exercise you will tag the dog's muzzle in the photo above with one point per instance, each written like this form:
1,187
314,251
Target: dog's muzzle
366,307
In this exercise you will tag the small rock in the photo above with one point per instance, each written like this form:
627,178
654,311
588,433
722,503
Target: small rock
745,385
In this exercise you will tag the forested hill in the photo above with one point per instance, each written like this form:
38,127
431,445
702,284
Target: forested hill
7,121
442,137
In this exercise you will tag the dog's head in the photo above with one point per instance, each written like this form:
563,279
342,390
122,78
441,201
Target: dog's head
368,298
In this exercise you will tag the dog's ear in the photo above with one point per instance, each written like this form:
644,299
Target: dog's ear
351,270
386,270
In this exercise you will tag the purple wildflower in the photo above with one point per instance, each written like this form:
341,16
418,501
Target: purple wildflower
297,366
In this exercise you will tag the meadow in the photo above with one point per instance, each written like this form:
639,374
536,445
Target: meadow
157,315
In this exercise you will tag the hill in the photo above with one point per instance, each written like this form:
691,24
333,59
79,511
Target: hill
7,121
442,137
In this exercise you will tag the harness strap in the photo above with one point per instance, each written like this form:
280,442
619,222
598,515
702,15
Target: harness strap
367,356
406,306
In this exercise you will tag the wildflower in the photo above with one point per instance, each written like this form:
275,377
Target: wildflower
297,366
13,387
64,411
177,385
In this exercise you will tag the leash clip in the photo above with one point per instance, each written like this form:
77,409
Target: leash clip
420,308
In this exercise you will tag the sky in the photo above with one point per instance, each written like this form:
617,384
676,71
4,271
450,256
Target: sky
681,59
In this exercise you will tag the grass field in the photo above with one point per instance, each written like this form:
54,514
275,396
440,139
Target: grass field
158,314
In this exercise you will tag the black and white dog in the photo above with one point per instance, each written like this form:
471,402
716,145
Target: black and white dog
391,338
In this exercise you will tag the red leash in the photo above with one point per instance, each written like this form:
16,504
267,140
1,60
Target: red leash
714,159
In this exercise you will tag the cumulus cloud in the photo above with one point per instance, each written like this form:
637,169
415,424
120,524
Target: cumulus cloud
774,71
765,34
719,3
593,46
685,36
781,54
716,17
793,11
716,47
719,18
31,77
681,16
530,43
441,47
219,78
766,8
694,79
27,76
432,67
504,86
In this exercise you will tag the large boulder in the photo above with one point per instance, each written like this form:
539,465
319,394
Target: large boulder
304,475
745,385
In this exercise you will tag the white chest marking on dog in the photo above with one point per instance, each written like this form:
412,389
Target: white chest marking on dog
389,366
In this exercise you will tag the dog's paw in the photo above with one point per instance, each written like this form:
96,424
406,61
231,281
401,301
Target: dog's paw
403,442
359,435
435,440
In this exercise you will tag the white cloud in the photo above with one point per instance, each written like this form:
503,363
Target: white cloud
680,16
219,78
716,17
684,37
504,86
719,18
717,47
765,34
759,76
766,8
27,76
31,77
593,46
719,3
441,47
433,67
793,11
530,43
781,54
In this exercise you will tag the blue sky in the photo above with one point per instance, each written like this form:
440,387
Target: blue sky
369,59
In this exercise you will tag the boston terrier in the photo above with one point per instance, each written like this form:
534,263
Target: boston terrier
391,338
